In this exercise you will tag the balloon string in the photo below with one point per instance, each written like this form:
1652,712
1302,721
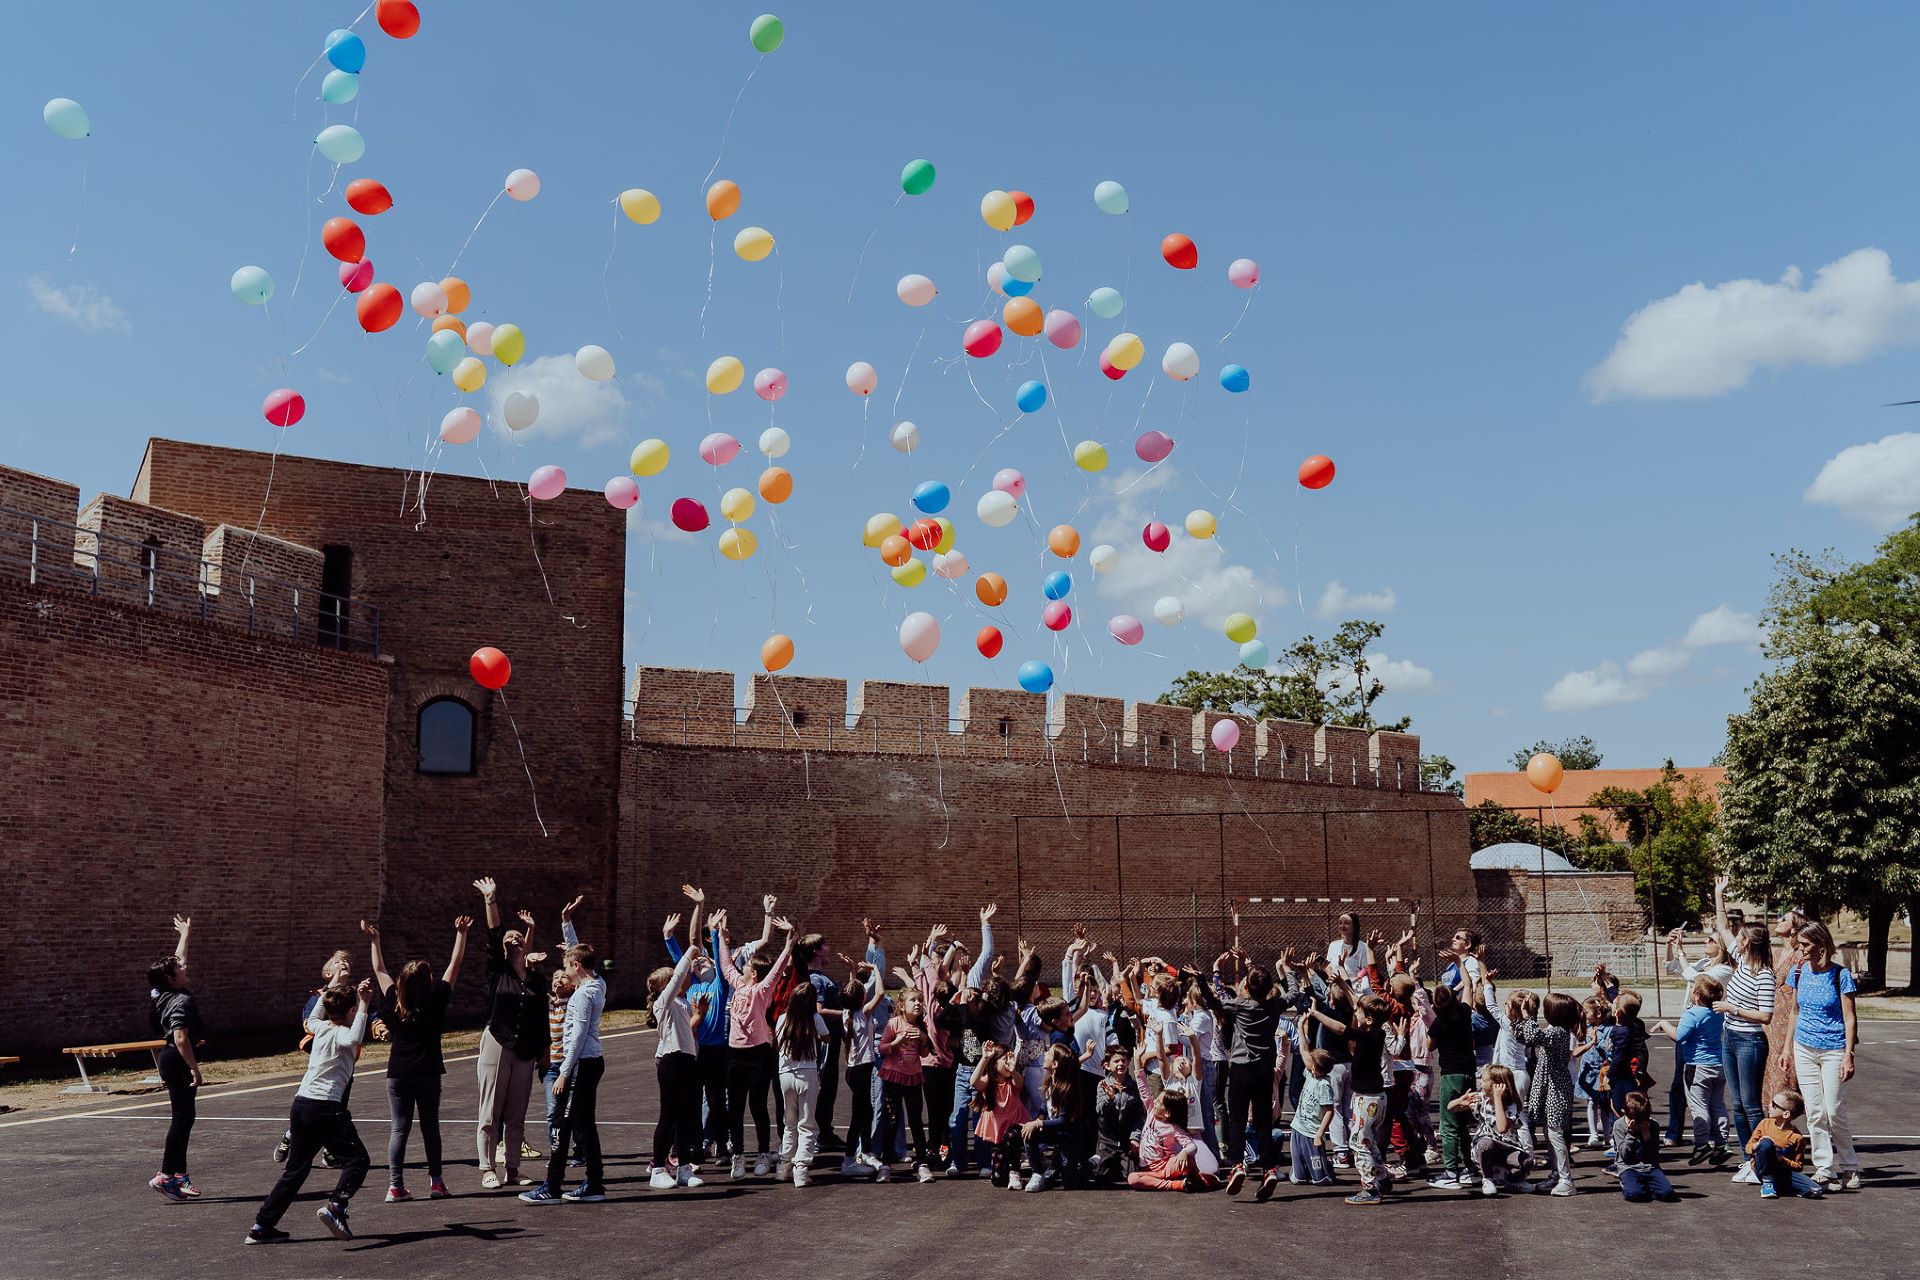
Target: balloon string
1243,315
534,542
780,293
901,389
711,234
330,182
323,324
728,127
786,718
523,761
79,214
866,406
869,244
605,295
773,516
1053,395
272,464
476,229
940,772
306,242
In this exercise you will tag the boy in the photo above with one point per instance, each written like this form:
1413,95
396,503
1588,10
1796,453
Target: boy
1119,1114
1777,1148
1312,1117
336,972
1366,1038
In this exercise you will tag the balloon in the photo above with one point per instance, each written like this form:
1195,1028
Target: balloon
770,385
1063,329
459,296
688,515
981,339
1545,772
910,574
738,543
991,588
1156,536
753,243
1030,397
725,374
1167,611
723,200
252,285
490,668
379,308
509,343
915,291
1254,655
931,496
776,651
1106,367
1126,350
1201,524
622,492
920,636
997,279
429,299
480,338
341,143
451,324
1153,446
905,437
1126,628
1105,303
1022,263
594,363
1007,480
445,350
1104,558
1316,472
284,407
1024,317
776,484
775,442
1179,252
998,211
1235,378
1056,615
1064,541
67,118
346,51
342,239
949,534
736,505
950,564
1110,197
924,534
1225,734
1181,362
364,195
1090,455
522,185
718,449
1243,273
996,509
522,410
470,374
1035,676
1057,585
988,641
879,528
862,378
1022,207
355,276
547,483
337,87
462,426
398,18
649,457
640,205
767,32
1241,628
1014,288
916,179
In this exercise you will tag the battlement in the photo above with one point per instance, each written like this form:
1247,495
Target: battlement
675,706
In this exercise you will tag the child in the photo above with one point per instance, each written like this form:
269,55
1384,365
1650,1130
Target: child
1777,1148
751,1061
1366,1039
676,1064
902,1078
1118,1115
861,1038
801,1037
1593,1053
1452,1037
1551,1037
1627,1055
1052,1138
1698,1039
1167,1152
415,1009
998,1097
176,1019
1312,1116
1499,1139
1515,1008
578,1085
1636,1141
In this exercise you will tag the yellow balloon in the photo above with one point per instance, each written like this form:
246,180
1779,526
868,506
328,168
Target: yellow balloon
910,574
509,344
724,375
998,210
753,243
879,529
1201,524
1241,628
738,544
1090,455
469,374
650,457
736,504
640,205
947,535
1123,352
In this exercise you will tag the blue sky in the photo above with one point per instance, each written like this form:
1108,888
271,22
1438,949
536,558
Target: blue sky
1565,527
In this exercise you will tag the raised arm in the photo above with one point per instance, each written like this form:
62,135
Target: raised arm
490,891
983,963
460,926
182,927
699,899
378,961
767,903
568,935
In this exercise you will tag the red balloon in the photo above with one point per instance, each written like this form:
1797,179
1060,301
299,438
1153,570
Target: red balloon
924,533
355,276
988,642
379,308
364,195
490,668
343,240
398,18
1110,369
981,339
688,515
284,407
1156,537
1316,472
1179,252
1022,206
1057,615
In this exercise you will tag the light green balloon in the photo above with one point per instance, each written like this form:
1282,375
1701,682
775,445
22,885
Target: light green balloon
341,143
1111,197
917,178
67,118
445,349
1105,303
252,285
1022,263
767,32
339,87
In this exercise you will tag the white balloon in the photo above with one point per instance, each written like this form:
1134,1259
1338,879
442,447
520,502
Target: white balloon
1103,558
996,508
460,426
523,184
950,564
915,290
594,363
429,300
920,636
774,442
1167,611
905,437
480,338
1181,362
862,378
520,410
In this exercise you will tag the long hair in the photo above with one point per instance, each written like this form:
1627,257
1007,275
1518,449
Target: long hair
159,983
798,1041
1061,1085
411,989
1755,946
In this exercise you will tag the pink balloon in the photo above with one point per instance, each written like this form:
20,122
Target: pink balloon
480,338
461,426
1009,481
1243,273
769,384
982,339
997,278
547,483
1056,615
688,515
719,449
1156,537
1063,329
284,407
355,276
622,492
1153,446
1225,734
920,636
1126,628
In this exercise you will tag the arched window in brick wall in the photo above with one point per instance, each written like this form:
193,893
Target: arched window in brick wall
446,727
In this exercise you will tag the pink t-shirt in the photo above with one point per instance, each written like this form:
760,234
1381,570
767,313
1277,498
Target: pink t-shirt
747,1024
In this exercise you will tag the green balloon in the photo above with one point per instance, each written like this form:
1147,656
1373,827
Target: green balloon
767,32
917,178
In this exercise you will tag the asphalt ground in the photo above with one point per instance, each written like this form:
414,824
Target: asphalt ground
73,1203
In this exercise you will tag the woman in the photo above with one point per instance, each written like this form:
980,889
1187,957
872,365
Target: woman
1748,1010
1824,1034
415,1011
511,1047
1350,956
578,1084
176,1017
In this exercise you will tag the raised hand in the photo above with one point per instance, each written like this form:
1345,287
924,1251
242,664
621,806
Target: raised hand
718,920
987,912
367,989
783,924
566,912
371,930
768,902
1079,931
667,929
182,924
486,886
936,933
693,894
526,918
1109,957
461,924
536,957
1720,883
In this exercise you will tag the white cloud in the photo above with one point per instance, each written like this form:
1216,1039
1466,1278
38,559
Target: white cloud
638,521
82,305
1708,339
1601,686
1197,570
1723,624
1338,602
1647,671
1396,675
1667,660
571,407
1878,483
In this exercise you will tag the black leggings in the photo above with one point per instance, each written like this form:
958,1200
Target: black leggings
749,1077
895,1098
860,1124
679,1127
178,1077
403,1096
1250,1098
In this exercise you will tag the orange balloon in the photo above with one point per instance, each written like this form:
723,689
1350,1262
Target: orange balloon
364,195
723,199
1023,316
776,652
379,308
991,588
776,484
454,323
896,550
343,240
1545,772
459,297
1064,541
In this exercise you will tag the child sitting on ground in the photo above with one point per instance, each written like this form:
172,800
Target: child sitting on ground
1499,1141
1636,1141
1119,1114
1169,1158
1777,1148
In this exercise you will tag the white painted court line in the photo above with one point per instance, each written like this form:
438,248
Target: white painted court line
282,1120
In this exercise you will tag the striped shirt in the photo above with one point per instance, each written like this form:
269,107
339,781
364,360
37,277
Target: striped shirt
1752,990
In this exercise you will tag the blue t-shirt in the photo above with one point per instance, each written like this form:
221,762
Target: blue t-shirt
1820,1025
1698,1036
1315,1100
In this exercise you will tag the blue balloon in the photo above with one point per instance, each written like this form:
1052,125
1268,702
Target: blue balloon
1057,584
347,51
339,86
932,497
1235,378
1031,396
1016,288
445,349
1035,676
1254,655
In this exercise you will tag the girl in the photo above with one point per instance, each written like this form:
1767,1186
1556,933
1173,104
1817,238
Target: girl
707,1001
578,1084
514,1043
1349,956
1167,1152
1499,1142
801,1038
901,1078
1748,1009
1052,1138
415,1011
1777,1148
1592,1054
862,1037
676,1064
1636,1140
1551,1036
1203,1029
750,1057
1824,1034
998,1097
1515,1008
176,1019
1698,1038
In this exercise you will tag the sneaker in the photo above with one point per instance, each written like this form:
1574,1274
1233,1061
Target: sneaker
688,1178
1398,1172
258,1234
1826,1178
528,1153
437,1190
184,1185
1013,1180
1237,1179
1700,1155
663,1180
762,1165
398,1195
922,1174
1767,1190
1446,1180
1564,1187
738,1169
802,1176
852,1168
280,1157
1268,1185
1850,1182
542,1194
489,1179
1365,1195
1612,1171
956,1172
168,1187
1038,1182
585,1193
329,1159
883,1174
782,1169
1343,1161
1488,1188
334,1218
1746,1173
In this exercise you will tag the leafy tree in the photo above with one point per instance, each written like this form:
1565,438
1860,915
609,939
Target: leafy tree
1436,774
1319,681
1490,823
1574,753
1670,830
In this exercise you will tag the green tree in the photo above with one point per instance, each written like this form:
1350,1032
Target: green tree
1490,823
1573,753
1319,681
1437,774
1669,829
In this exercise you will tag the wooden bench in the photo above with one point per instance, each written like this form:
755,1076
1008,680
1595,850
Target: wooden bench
82,1052
6,1061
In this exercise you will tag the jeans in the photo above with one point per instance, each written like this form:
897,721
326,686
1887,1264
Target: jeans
404,1096
713,1089
1209,1089
1818,1074
1454,1135
960,1124
1642,1185
1250,1101
1309,1159
1707,1105
678,1132
1770,1168
178,1077
1744,1055
547,1078
578,1112
800,1136
313,1125
506,1080
749,1077
860,1123
1341,1077
896,1098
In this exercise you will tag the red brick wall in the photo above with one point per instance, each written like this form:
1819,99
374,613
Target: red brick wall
25,497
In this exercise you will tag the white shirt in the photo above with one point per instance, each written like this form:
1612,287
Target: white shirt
795,1066
1204,1029
1090,1029
1352,961
330,1060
